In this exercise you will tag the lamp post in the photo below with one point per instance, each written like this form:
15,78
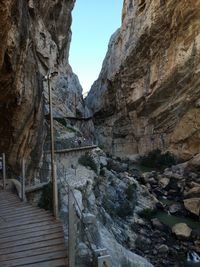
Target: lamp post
53,163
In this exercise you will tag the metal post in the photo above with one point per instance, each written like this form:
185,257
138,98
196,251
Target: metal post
23,197
4,170
71,229
53,165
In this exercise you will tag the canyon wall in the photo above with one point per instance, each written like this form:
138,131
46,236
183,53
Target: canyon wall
35,38
147,94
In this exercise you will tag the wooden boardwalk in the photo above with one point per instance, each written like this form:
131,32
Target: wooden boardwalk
75,149
29,236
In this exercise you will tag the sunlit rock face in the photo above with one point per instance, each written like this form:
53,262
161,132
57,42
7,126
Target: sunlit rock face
35,38
147,94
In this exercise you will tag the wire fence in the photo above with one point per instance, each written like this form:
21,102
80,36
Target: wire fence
91,240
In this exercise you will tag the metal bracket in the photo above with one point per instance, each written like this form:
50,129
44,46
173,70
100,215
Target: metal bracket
104,261
102,258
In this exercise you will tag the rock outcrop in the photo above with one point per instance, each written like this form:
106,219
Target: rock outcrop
181,230
108,202
147,94
193,205
35,38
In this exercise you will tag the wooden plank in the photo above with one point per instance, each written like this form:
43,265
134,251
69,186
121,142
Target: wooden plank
18,210
7,193
9,202
53,263
13,207
5,196
31,230
31,216
32,240
29,253
5,240
29,236
26,226
23,220
34,259
31,246
23,215
28,221
8,197
10,205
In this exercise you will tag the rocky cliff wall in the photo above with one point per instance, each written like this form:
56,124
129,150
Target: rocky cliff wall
147,94
35,38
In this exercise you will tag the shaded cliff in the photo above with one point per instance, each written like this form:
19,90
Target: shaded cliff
35,38
147,94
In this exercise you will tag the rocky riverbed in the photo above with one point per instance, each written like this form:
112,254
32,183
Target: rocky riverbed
152,214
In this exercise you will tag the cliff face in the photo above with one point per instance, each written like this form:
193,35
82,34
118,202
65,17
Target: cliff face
147,94
35,37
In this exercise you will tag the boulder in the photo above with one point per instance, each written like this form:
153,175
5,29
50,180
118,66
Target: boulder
83,250
181,230
193,192
89,218
164,182
157,224
193,205
163,249
174,208
103,161
195,162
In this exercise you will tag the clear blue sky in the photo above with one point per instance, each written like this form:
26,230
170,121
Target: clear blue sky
94,21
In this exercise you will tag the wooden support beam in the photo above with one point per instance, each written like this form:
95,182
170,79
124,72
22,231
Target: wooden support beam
71,229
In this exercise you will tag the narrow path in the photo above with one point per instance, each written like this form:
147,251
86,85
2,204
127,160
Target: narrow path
68,150
29,236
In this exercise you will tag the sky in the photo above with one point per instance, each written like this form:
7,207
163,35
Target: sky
94,21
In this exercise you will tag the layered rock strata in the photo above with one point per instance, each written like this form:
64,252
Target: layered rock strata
147,94
35,38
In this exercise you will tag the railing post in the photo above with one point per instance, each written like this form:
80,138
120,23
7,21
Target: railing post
71,229
23,197
53,164
4,170
55,192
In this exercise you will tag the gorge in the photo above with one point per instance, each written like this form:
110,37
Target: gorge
138,191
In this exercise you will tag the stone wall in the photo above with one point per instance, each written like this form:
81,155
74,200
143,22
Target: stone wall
147,94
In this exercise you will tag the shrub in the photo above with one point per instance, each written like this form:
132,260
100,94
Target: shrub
125,209
130,192
61,121
87,161
109,206
102,172
155,159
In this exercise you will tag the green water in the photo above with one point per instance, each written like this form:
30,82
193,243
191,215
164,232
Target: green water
168,202
171,220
